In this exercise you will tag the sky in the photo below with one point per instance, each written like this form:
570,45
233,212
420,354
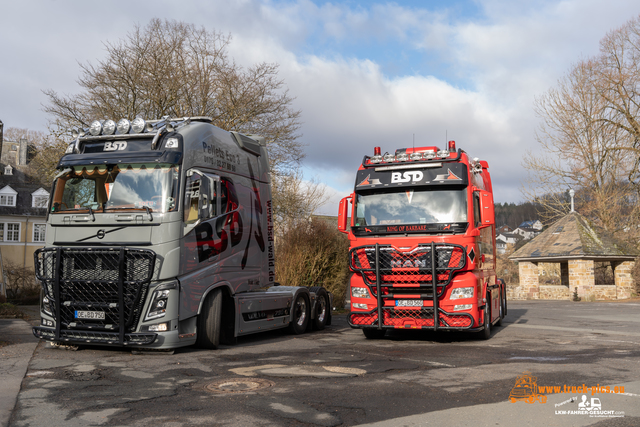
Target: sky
363,73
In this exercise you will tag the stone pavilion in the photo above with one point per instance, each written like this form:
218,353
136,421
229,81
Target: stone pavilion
578,248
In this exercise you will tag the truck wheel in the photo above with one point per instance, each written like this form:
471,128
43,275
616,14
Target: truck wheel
322,309
209,321
374,334
486,332
300,311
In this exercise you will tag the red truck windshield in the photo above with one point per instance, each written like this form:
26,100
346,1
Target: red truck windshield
409,206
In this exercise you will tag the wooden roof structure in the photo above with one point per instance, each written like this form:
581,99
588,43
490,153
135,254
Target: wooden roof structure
572,237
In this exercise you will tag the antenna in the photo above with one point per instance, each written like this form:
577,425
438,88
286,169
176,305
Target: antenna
414,141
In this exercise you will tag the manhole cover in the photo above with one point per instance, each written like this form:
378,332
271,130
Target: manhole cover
240,385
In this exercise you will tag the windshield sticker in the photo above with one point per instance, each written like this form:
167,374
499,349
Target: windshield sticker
409,195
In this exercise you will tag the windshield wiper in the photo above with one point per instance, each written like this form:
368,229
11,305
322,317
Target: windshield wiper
118,208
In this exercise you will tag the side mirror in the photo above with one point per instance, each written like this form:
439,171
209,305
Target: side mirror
487,211
343,214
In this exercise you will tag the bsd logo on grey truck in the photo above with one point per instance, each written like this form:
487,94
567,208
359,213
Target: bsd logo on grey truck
115,145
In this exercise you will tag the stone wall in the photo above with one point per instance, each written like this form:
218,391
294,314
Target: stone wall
554,292
581,279
624,281
529,284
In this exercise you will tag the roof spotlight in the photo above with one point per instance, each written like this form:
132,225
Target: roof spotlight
96,128
138,125
123,126
109,127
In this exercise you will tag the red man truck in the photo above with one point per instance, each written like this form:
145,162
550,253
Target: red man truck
422,243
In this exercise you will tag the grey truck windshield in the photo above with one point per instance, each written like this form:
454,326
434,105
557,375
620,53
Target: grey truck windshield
404,207
114,187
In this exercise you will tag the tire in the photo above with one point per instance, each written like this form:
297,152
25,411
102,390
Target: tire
485,334
374,334
322,309
209,321
300,311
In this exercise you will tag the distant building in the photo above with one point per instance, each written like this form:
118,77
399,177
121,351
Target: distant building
503,229
23,206
535,224
527,233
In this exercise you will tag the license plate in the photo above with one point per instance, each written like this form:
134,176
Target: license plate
409,303
94,315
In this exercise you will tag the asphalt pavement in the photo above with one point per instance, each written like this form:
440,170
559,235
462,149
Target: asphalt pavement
17,345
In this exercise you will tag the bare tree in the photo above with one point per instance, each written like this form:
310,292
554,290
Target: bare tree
176,69
294,200
590,138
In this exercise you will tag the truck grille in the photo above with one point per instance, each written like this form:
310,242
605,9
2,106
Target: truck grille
408,272
112,281
418,318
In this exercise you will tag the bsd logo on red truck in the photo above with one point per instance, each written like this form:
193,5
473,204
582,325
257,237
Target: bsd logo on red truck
410,176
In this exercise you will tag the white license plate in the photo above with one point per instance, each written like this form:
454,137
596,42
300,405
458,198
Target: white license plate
409,303
97,315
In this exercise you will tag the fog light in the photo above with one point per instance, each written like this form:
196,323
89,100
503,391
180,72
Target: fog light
160,327
461,307
360,306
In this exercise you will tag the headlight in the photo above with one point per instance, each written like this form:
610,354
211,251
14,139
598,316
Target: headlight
158,305
462,307
459,293
46,306
360,306
360,293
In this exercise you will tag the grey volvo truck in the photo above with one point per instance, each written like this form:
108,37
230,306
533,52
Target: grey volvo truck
160,235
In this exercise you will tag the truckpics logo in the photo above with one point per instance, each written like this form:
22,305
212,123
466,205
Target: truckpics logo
409,176
526,389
